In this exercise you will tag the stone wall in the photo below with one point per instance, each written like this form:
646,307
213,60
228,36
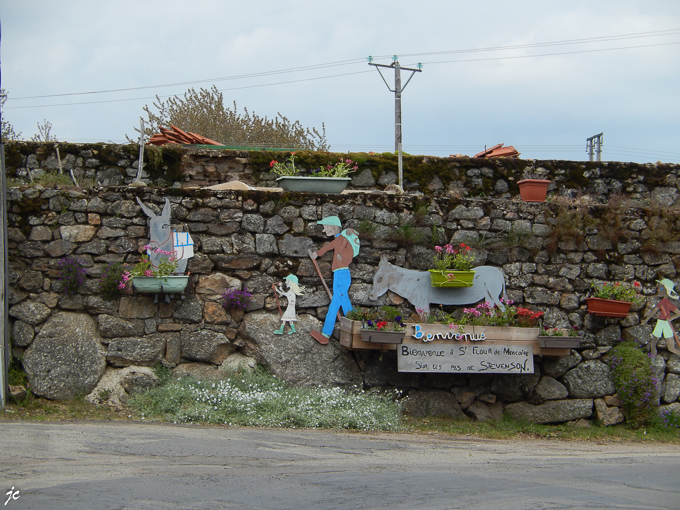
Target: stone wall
189,167
550,253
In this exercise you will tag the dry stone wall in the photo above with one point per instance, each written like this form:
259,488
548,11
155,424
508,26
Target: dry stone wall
550,253
191,167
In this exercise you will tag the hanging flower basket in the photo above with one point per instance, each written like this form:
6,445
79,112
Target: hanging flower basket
608,307
160,284
533,190
451,278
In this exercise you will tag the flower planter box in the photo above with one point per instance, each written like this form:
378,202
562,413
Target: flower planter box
383,337
608,307
533,190
350,337
314,184
160,284
451,278
559,342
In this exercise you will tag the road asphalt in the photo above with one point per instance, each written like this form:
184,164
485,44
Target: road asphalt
126,465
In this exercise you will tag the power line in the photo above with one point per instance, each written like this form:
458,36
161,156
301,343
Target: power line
551,54
658,33
208,80
173,95
354,61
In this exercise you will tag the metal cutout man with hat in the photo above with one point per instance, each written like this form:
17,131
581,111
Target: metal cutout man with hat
345,246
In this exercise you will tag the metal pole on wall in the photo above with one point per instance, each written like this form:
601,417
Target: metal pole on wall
4,324
4,278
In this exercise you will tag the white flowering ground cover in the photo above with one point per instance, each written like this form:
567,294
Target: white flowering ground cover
259,399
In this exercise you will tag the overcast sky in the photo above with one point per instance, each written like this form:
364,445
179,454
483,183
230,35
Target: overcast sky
493,71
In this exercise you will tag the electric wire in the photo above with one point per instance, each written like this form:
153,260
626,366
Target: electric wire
354,61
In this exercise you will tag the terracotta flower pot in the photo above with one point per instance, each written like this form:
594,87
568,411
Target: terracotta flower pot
533,190
607,307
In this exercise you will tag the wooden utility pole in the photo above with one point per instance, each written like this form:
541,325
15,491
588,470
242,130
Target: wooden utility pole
398,89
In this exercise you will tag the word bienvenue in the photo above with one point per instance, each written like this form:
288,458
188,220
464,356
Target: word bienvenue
449,335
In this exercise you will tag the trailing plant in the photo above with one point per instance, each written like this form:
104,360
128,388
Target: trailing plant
570,225
111,279
635,382
167,265
448,258
367,229
486,314
408,235
573,331
617,291
236,299
387,318
72,274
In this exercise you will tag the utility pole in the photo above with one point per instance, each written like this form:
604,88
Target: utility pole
595,143
398,89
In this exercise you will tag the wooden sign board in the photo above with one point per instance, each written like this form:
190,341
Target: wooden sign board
482,358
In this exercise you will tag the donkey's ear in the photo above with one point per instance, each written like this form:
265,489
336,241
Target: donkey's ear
166,209
149,212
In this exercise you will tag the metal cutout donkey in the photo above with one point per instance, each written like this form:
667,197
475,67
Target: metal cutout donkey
488,284
161,235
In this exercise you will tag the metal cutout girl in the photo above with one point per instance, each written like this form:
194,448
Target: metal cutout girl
289,315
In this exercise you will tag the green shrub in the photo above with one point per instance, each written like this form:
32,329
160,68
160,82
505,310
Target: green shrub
667,419
635,383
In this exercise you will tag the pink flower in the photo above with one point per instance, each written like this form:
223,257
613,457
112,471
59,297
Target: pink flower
438,249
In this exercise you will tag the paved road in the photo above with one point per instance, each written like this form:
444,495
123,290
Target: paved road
155,466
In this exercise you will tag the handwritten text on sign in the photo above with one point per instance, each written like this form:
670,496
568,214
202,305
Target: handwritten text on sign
480,358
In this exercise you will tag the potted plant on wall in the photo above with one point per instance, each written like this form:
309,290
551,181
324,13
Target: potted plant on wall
387,328
452,266
556,338
613,299
533,190
332,178
146,278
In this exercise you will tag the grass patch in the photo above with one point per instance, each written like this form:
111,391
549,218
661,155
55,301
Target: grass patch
259,399
41,409
510,428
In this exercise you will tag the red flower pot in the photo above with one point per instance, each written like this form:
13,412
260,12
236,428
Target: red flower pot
607,307
533,190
